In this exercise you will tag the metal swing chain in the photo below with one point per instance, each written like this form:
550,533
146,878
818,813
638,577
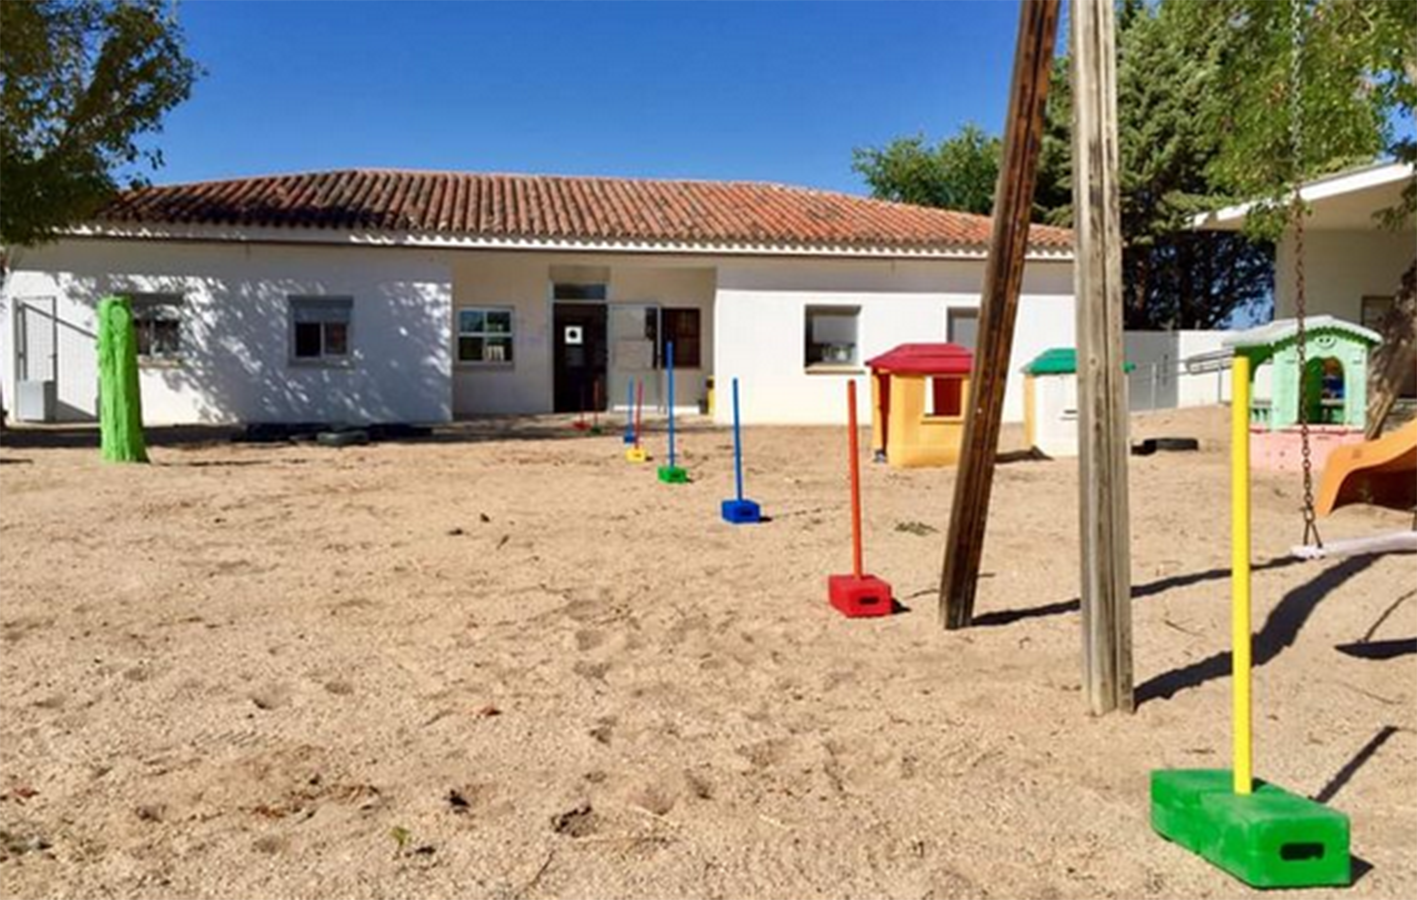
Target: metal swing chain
1296,138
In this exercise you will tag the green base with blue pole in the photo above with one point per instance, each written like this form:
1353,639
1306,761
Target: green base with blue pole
671,474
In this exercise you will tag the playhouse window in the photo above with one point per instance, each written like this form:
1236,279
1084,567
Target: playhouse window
831,336
682,327
485,334
157,321
320,328
946,397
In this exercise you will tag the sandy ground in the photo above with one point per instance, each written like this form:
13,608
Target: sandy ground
514,665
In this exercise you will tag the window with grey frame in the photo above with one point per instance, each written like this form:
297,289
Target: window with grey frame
831,336
320,328
485,334
157,324
962,326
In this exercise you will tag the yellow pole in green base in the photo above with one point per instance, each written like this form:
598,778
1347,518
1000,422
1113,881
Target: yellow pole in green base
1240,570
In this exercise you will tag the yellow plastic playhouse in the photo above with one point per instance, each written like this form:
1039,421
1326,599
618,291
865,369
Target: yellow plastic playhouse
918,397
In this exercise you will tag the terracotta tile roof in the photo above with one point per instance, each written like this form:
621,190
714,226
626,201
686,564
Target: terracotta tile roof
562,208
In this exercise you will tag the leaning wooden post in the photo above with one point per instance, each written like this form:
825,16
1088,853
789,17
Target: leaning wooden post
1003,278
1102,381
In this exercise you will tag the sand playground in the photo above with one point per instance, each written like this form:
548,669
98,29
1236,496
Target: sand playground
505,662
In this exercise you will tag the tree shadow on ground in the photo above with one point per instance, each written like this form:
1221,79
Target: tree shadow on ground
1160,586
485,429
1280,631
1360,759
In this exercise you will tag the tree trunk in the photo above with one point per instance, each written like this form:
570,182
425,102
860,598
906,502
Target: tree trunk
1393,360
4,277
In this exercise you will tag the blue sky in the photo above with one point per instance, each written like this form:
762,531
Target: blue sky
764,91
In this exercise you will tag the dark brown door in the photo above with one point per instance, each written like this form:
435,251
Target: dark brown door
581,355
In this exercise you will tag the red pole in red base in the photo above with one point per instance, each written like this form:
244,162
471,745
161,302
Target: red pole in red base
857,594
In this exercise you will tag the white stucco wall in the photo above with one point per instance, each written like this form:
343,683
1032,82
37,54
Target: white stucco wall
237,363
761,321
1160,380
1341,267
523,281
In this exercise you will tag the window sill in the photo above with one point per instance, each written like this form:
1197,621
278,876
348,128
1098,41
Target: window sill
830,369
943,420
309,363
485,365
158,362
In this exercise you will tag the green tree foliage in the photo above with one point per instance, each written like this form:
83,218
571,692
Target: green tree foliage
957,173
1174,277
1355,81
84,81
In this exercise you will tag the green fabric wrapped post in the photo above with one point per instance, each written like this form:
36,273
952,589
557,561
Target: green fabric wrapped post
120,414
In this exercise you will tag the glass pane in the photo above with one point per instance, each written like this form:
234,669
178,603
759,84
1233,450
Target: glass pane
321,309
469,320
166,338
307,340
498,349
469,349
336,339
144,333
831,328
566,291
499,321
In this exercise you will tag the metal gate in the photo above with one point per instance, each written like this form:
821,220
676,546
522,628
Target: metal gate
36,359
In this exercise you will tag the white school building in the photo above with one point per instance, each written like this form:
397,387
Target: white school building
381,296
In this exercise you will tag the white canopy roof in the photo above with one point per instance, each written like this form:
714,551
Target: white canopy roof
1284,329
1344,201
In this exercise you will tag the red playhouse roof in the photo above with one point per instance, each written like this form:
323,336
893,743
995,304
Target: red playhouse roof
925,359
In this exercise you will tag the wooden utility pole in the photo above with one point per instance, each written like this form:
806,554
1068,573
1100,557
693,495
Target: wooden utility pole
1003,277
1102,382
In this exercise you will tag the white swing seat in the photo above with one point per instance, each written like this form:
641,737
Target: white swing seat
1393,542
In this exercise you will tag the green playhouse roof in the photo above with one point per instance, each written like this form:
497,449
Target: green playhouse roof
1281,330
1060,361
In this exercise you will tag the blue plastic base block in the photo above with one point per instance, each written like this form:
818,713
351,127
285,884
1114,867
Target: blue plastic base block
741,512
673,475
1268,839
627,438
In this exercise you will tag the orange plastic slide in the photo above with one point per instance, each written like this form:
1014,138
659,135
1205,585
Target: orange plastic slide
1381,472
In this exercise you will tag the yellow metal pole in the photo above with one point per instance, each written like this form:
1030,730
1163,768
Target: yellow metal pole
1240,570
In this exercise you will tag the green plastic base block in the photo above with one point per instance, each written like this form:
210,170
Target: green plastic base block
673,475
1267,839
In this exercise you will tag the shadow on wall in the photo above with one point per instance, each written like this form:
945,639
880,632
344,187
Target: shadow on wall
237,362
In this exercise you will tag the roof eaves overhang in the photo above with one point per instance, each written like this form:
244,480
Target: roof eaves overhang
1232,218
180,232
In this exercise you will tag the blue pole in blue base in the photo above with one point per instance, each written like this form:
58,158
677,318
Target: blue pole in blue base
671,474
629,435
739,511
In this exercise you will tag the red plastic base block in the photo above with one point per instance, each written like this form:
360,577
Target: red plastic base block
855,597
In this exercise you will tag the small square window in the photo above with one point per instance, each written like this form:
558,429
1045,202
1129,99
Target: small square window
831,336
962,326
157,322
320,328
485,335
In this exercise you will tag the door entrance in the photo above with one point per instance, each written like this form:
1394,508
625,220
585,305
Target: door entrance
581,354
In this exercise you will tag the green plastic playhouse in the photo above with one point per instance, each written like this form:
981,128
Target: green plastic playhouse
1336,371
